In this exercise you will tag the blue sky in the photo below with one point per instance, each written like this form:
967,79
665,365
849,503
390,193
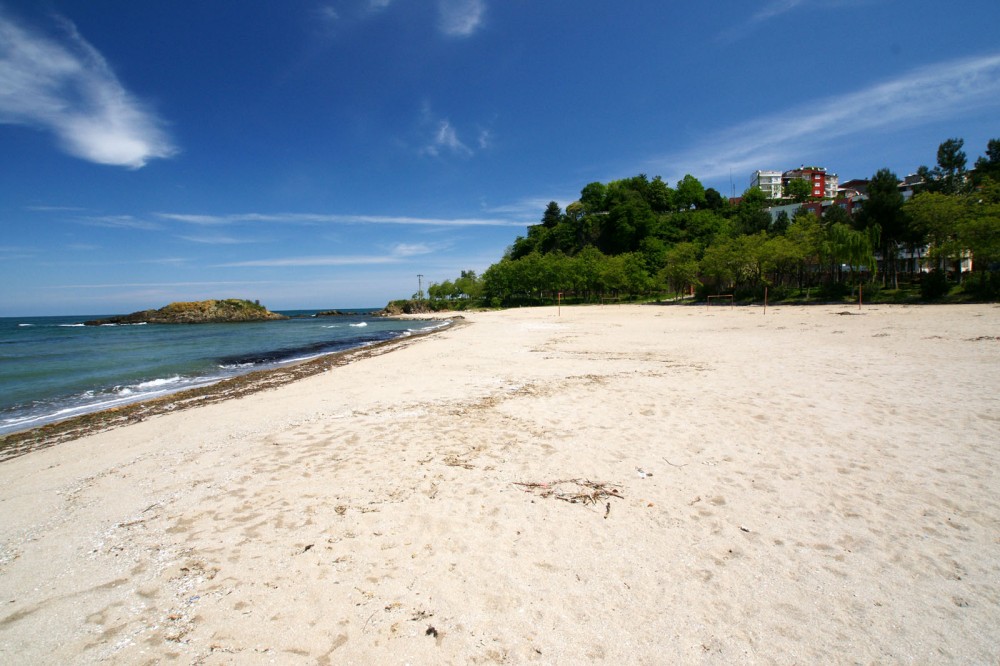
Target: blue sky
323,153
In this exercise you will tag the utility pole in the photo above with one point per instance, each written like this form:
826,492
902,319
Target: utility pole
420,287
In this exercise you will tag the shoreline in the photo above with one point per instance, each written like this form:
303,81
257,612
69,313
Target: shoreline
22,442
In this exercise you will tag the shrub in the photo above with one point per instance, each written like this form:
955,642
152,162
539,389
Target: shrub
934,285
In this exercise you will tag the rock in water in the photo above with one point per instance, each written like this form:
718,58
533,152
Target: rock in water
196,312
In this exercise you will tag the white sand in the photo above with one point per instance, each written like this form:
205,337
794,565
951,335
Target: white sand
819,488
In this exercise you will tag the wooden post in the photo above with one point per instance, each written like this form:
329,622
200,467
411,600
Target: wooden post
559,306
765,299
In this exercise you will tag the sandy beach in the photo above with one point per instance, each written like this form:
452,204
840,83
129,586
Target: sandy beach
607,484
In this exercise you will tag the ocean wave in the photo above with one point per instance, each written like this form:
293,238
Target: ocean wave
359,324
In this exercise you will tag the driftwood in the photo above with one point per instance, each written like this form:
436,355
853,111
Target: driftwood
574,491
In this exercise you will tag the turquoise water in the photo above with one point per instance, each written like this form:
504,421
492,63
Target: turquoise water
52,368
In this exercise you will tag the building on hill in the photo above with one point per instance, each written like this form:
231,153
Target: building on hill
774,184
769,183
853,188
824,185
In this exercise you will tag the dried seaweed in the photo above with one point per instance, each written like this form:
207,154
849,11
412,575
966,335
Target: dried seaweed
574,491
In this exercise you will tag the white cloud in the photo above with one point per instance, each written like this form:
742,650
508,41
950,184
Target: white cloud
938,92
68,88
411,249
446,139
396,254
299,262
327,13
115,285
461,18
217,239
121,222
319,218
775,8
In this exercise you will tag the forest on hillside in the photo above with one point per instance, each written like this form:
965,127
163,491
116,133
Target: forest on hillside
640,238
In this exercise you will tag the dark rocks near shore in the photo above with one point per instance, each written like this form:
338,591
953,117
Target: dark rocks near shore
412,306
196,312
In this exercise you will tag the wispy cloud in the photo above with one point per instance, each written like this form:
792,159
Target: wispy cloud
67,88
327,13
411,249
54,209
218,239
134,285
446,140
121,222
461,18
942,91
396,254
775,8
316,219
311,261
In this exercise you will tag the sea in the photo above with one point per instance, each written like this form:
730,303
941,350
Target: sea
54,368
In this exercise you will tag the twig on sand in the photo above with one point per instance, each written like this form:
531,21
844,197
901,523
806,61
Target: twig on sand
673,465
574,491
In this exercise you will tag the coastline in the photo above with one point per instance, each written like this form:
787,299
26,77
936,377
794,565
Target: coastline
619,484
22,442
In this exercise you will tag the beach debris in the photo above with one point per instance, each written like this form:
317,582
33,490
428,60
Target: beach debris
673,465
574,491
744,529
607,510
455,461
307,548
431,631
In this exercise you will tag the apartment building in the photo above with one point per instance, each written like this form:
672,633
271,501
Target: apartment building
824,185
769,183
773,183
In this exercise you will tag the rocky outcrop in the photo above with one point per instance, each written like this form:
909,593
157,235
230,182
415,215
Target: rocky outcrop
196,312
396,308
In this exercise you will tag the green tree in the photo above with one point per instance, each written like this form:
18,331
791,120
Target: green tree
781,222
690,193
882,215
988,166
720,264
752,216
951,162
552,215
836,215
807,235
681,269
660,196
938,216
799,189
714,200
593,196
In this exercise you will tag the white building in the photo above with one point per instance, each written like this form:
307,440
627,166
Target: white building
769,183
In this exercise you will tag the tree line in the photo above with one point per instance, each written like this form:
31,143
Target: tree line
640,237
